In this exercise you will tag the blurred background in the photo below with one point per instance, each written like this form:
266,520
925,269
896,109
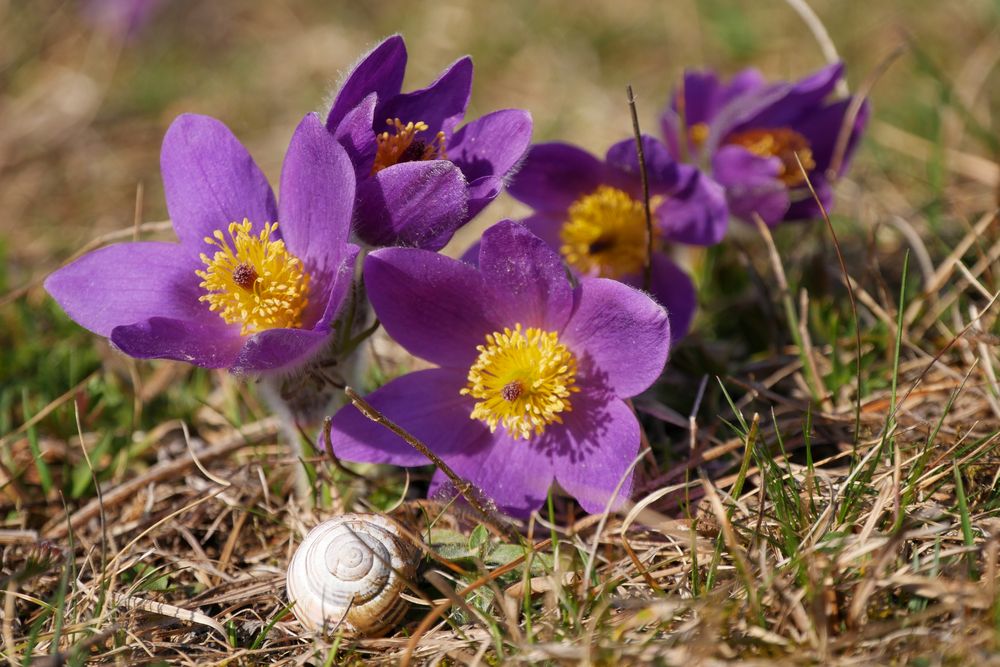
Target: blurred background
88,87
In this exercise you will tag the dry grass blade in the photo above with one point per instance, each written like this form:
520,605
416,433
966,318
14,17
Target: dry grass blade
163,609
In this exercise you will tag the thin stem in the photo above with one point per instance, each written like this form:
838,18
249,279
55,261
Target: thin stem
463,486
647,272
850,296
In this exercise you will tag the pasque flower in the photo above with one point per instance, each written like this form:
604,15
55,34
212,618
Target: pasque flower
420,176
532,370
593,213
748,133
121,18
252,285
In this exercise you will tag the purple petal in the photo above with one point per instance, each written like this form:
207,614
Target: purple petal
481,192
432,305
418,204
822,129
471,254
619,335
670,124
356,135
201,343
525,278
427,404
555,175
278,350
745,81
599,441
743,112
751,183
545,227
673,288
317,200
798,98
380,71
804,206
661,168
852,143
338,290
210,180
491,145
706,99
696,212
701,97
124,19
128,283
514,474
441,105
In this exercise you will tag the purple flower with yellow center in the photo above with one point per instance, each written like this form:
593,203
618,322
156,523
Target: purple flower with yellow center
420,178
253,285
748,133
593,213
532,371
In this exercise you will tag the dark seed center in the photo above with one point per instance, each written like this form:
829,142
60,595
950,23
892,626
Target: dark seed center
601,245
512,390
414,152
245,276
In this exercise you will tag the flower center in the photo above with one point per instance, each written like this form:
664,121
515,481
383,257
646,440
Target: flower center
522,380
253,280
782,143
605,233
697,134
404,146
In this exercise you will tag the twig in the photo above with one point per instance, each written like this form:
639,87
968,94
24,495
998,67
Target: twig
647,275
167,470
850,296
328,446
204,471
463,486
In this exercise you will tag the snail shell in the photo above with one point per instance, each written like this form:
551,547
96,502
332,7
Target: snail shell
348,574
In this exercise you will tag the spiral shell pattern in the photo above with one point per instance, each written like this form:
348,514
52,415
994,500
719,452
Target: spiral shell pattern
348,573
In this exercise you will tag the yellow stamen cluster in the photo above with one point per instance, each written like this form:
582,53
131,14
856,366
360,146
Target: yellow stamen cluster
522,380
697,134
605,233
404,146
253,280
780,142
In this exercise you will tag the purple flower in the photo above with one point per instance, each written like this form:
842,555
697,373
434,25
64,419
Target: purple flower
531,376
122,18
748,132
592,212
420,179
252,286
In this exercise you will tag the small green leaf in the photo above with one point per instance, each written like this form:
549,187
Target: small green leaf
479,537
